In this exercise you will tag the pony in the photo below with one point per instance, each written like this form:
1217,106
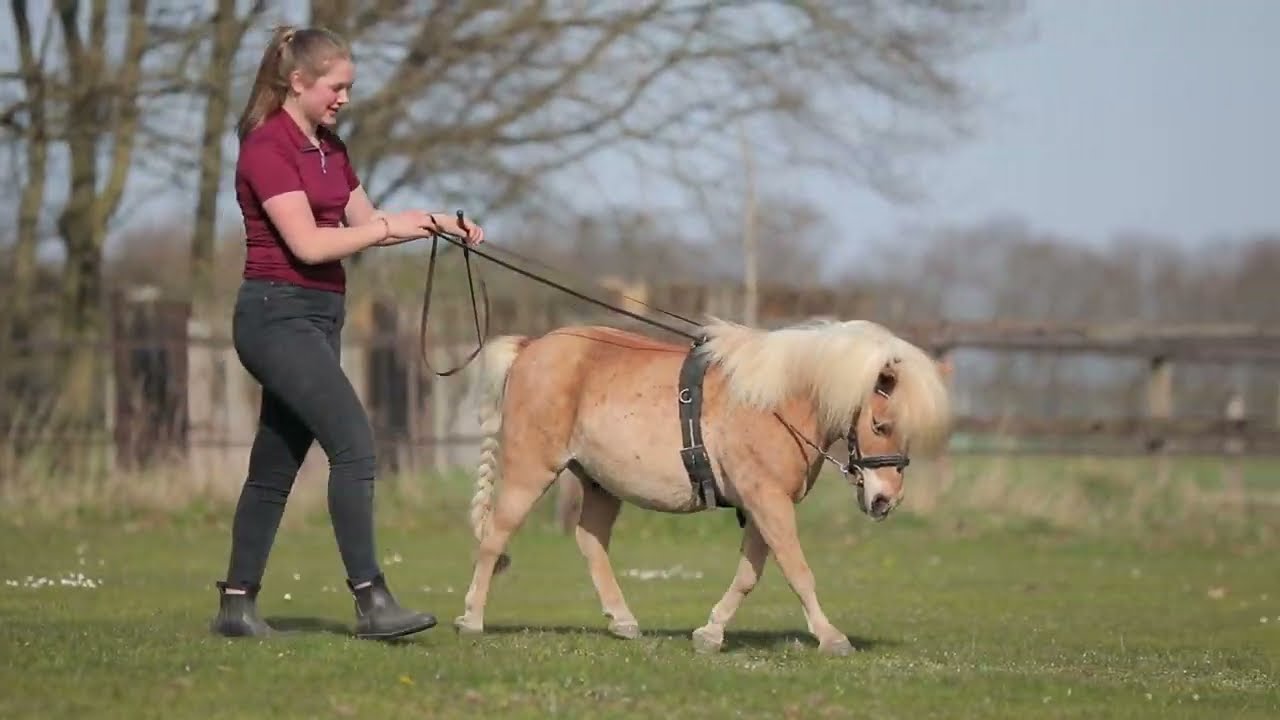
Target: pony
601,403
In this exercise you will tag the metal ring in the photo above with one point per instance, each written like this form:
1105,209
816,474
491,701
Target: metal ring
686,396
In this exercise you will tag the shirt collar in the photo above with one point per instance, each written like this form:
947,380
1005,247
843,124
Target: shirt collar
295,134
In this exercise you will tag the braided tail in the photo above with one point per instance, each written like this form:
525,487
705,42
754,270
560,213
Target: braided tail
495,362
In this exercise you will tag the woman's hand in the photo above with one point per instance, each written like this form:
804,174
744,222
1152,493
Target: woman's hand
408,224
444,222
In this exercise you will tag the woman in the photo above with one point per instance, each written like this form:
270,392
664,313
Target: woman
296,187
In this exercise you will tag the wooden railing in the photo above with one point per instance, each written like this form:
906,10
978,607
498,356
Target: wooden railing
158,357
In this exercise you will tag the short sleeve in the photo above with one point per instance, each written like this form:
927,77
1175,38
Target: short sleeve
353,180
269,170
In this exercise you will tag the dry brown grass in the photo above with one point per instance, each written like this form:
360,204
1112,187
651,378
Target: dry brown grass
1205,497
1089,495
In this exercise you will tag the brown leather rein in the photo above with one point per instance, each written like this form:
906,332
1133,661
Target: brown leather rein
468,249
857,461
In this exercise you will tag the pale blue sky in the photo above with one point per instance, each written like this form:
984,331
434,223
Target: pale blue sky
1158,115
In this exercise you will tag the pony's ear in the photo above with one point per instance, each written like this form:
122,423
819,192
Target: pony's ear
888,379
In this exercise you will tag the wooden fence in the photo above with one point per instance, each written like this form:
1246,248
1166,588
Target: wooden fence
1163,348
177,388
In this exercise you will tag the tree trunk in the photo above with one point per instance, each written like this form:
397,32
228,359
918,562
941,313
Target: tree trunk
82,237
228,30
35,139
104,102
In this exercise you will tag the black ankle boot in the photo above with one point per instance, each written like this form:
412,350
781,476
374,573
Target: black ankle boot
379,616
238,614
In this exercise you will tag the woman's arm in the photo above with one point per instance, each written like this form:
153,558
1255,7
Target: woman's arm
361,211
291,214
272,174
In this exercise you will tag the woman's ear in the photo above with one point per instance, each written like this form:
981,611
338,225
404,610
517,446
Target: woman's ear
297,83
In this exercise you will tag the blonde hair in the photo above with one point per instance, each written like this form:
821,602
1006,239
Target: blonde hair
309,50
837,365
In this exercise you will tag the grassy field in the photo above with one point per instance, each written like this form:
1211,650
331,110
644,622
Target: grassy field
955,616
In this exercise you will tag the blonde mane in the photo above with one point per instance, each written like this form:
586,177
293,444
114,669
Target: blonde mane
835,365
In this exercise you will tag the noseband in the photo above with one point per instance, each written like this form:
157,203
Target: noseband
859,462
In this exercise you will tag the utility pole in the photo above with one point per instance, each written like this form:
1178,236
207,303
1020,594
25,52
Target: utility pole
750,244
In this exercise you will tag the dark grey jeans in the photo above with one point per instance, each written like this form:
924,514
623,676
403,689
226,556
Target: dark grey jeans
288,339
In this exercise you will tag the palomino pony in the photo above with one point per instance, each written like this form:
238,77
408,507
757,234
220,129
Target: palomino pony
602,403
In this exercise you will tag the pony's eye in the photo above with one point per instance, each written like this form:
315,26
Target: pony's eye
879,428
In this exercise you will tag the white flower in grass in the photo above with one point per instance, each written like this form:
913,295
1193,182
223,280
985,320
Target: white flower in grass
69,579
674,572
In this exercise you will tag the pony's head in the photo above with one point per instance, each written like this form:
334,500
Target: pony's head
902,416
886,397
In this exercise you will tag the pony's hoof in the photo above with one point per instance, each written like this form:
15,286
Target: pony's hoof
707,642
466,627
625,630
836,648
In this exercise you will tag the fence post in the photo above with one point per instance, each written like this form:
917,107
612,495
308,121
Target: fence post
384,373
1234,446
946,468
206,402
1160,410
150,377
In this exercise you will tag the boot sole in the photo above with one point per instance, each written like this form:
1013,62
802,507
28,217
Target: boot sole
393,634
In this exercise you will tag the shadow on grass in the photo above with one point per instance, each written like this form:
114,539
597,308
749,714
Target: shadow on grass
733,639
299,625
291,625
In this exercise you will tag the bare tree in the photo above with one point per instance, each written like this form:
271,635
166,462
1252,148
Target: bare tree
101,112
488,101
228,31
82,84
28,117
88,83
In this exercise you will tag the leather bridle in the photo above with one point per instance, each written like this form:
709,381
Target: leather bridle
859,462
853,470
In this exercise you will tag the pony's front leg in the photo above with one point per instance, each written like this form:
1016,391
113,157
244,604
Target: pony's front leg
775,515
710,637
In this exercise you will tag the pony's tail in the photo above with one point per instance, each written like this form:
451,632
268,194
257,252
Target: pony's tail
495,362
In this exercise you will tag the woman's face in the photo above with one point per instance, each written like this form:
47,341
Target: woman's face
322,99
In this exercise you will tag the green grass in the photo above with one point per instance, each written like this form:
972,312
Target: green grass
953,620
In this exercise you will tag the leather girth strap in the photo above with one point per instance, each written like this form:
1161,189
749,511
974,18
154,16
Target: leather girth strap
694,454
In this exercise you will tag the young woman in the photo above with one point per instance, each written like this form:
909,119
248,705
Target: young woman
296,189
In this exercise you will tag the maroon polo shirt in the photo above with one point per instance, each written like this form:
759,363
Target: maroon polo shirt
276,157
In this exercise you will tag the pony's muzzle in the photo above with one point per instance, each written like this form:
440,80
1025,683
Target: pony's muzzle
880,507
875,496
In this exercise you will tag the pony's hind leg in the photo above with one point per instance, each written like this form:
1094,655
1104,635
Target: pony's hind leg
522,485
595,527
754,551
